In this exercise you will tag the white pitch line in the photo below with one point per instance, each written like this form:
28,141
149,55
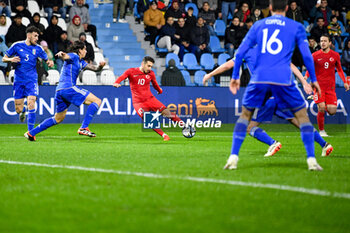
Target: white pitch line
303,190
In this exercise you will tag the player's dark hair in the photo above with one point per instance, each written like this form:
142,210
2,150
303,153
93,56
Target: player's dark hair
249,20
326,35
278,5
33,29
236,17
333,16
76,46
319,18
148,59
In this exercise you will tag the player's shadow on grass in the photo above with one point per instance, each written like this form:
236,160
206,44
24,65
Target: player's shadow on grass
298,165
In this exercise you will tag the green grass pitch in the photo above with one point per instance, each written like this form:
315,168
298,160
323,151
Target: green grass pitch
49,200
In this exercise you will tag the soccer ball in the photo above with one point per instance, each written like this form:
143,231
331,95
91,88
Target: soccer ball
188,131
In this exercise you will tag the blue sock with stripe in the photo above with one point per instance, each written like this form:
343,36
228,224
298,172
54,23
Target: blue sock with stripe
24,109
31,119
307,136
47,123
319,139
261,135
239,134
92,109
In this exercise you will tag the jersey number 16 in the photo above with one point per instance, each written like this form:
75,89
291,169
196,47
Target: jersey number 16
267,43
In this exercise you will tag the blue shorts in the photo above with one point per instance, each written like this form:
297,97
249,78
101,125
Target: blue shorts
288,98
24,89
265,113
73,95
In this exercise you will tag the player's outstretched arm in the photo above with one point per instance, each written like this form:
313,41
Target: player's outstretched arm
7,59
221,69
307,87
234,86
64,56
341,73
156,86
120,79
95,68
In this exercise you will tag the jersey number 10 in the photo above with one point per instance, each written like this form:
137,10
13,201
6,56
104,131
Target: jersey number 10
267,43
141,82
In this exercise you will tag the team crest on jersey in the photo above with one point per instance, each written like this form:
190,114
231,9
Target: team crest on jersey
331,59
34,51
147,76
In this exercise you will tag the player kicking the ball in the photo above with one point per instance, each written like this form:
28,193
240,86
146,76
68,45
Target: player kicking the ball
142,98
326,60
68,93
270,108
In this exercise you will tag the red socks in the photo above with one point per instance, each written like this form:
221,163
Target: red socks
320,120
159,131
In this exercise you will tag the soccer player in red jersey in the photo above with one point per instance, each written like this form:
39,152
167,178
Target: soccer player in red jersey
326,60
142,98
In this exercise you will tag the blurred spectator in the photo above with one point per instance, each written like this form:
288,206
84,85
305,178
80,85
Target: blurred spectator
234,35
322,10
54,6
346,56
183,40
142,6
228,6
20,7
50,55
4,25
167,37
249,23
16,32
3,49
334,31
119,9
306,9
4,8
62,45
172,76
182,4
294,12
191,20
200,38
37,24
174,11
90,55
243,13
153,20
209,17
212,3
313,46
256,15
319,29
83,12
74,29
344,10
264,6
52,34
163,5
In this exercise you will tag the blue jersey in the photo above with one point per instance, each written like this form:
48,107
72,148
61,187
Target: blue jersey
26,69
70,71
275,38
250,59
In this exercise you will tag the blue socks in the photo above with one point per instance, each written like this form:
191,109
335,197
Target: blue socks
92,109
319,139
24,109
47,123
261,135
307,136
30,119
239,134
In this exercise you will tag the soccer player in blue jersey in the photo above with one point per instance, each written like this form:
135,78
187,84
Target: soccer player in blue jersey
270,108
25,85
68,93
275,38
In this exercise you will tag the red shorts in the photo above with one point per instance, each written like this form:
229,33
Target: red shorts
327,95
151,104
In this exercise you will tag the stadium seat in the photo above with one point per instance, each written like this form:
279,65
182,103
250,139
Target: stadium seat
25,21
338,81
2,79
107,77
62,24
92,42
215,46
99,58
198,77
343,31
337,47
194,6
223,58
53,77
44,22
33,7
190,62
79,82
176,59
11,76
207,61
219,27
89,78
187,78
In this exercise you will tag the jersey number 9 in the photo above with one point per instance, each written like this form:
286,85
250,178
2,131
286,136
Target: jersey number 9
267,43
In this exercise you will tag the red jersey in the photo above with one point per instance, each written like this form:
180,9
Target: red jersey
140,84
325,64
